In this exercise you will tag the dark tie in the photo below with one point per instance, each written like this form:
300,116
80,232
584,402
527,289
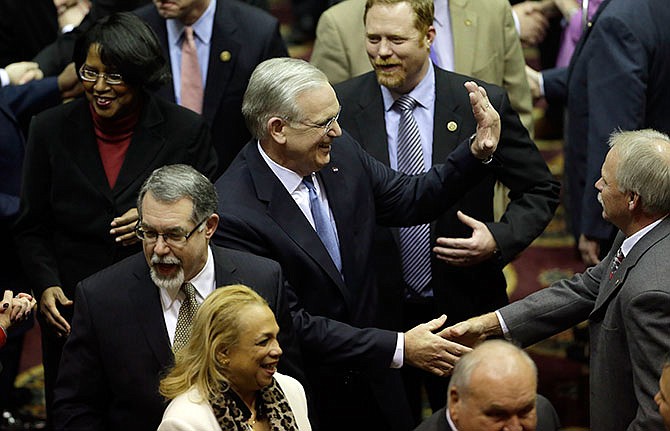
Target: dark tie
191,79
415,240
186,313
322,224
616,262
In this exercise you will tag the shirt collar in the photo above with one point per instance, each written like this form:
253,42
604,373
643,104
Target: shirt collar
441,11
629,242
423,93
451,423
289,179
203,283
202,27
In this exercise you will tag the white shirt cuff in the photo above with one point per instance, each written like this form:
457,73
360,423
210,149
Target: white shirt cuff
503,326
540,83
399,354
4,78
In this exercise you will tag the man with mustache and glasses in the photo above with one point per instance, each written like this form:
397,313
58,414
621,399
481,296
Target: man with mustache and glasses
131,317
466,248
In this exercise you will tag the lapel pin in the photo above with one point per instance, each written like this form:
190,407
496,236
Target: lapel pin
225,56
452,126
335,169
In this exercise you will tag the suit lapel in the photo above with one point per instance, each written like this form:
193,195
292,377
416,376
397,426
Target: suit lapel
285,212
584,37
370,110
220,69
464,34
80,144
146,306
223,269
158,24
448,113
610,287
147,142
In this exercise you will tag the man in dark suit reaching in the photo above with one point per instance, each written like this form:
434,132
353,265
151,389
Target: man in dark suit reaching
626,297
230,38
305,194
128,318
464,277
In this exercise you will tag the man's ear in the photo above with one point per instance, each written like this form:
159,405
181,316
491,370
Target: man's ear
430,36
633,200
277,129
211,224
454,404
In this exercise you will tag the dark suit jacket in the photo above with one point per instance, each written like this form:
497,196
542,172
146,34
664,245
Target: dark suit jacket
258,215
16,102
617,79
251,36
119,345
67,205
629,317
461,292
26,28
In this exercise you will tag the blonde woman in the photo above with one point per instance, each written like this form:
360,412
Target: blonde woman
226,376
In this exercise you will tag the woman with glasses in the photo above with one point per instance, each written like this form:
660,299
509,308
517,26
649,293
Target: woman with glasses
226,376
85,162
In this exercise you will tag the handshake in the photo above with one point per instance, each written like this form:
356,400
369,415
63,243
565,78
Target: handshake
437,350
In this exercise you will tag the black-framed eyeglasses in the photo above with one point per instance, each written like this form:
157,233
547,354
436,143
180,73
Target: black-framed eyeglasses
327,125
171,238
89,75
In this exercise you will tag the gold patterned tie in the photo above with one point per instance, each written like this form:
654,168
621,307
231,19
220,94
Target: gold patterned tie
186,312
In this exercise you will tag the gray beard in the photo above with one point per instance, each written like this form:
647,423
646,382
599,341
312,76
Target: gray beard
168,283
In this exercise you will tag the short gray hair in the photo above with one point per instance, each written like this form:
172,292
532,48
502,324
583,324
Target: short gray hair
644,167
174,182
272,91
482,355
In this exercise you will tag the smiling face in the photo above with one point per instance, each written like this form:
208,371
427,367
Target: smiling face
398,52
251,362
108,101
171,265
304,148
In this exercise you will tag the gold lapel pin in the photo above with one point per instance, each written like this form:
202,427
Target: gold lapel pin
225,56
452,126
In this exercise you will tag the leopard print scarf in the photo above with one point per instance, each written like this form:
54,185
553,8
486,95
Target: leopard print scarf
271,403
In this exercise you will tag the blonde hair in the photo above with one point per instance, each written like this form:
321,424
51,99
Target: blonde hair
216,327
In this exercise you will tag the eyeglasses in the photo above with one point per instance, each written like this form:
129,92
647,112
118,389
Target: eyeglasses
171,238
89,75
327,125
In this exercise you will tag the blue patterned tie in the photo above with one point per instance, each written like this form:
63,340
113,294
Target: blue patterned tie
415,240
322,224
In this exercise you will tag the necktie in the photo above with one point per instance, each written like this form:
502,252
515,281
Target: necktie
324,228
191,79
415,240
616,262
186,313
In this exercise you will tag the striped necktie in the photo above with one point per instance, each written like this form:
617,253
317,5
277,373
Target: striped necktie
415,240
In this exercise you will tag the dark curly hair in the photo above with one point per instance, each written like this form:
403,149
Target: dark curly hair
129,47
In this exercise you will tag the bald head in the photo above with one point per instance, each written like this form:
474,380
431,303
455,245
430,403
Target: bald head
494,388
